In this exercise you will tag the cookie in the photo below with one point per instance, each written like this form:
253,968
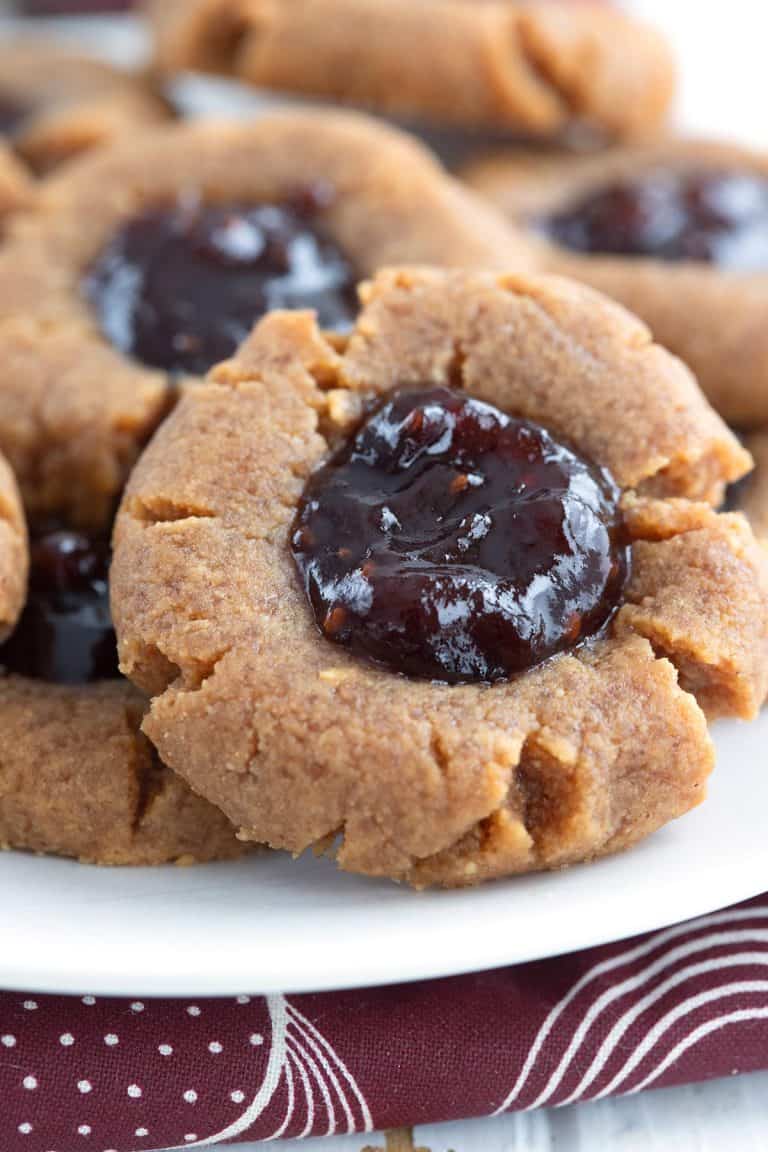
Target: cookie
56,103
676,231
77,778
15,185
342,645
530,68
750,495
14,555
193,232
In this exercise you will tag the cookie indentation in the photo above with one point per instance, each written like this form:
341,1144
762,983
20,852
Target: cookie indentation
179,288
450,541
716,216
65,633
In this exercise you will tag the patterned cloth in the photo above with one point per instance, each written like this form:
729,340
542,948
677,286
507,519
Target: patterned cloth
682,1004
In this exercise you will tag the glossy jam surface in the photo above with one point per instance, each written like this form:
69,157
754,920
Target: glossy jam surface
65,633
179,288
452,542
718,217
11,115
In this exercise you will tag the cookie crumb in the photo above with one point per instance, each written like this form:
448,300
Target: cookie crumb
344,409
334,675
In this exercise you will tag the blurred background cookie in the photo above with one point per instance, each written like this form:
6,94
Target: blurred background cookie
676,230
56,102
527,68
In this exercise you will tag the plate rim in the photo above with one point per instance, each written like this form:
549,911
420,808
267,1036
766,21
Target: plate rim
100,984
307,927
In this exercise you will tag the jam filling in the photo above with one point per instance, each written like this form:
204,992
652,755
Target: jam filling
718,217
179,288
11,115
65,632
452,542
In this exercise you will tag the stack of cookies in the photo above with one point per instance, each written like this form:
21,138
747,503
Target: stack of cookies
343,504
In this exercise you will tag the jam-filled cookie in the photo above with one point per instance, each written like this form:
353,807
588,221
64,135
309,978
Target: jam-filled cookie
526,67
14,556
77,777
56,103
149,262
676,231
441,592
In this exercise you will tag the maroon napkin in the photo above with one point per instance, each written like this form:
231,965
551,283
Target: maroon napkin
682,1004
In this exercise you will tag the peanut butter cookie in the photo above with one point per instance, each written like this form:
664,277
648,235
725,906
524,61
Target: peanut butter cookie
14,555
148,262
676,231
77,778
56,104
530,68
441,595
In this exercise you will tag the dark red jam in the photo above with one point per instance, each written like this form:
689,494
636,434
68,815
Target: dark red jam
11,115
452,542
179,288
719,217
65,633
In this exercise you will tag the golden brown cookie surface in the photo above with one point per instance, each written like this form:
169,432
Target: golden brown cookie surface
78,779
56,103
712,317
528,67
14,553
76,410
298,740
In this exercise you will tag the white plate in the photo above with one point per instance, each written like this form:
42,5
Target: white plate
271,924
